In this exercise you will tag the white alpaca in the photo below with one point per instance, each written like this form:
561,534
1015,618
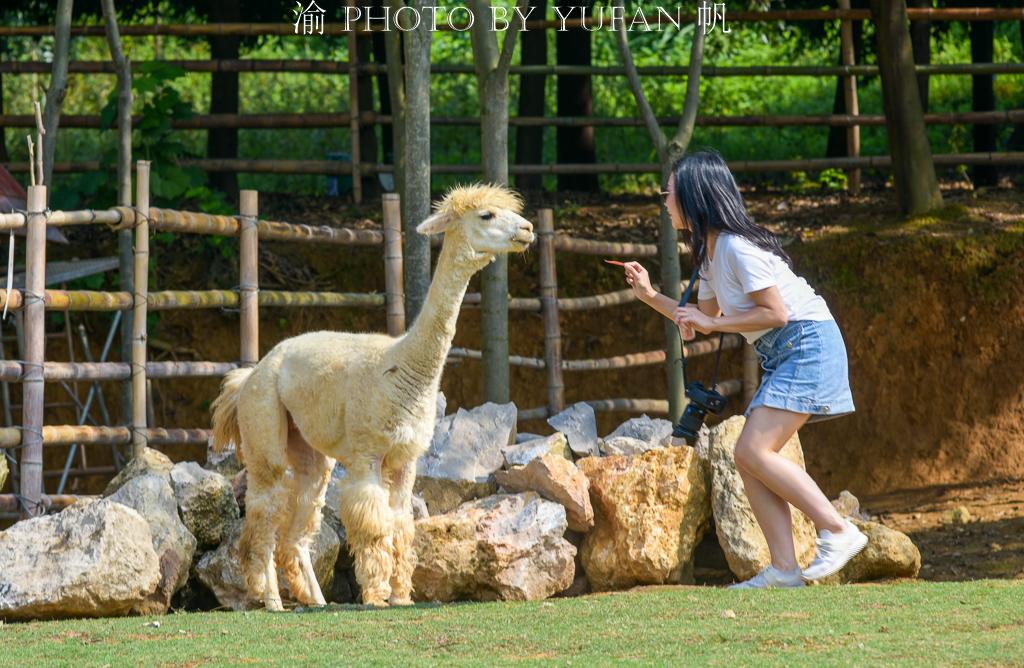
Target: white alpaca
365,400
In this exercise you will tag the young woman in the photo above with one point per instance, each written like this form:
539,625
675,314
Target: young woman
747,285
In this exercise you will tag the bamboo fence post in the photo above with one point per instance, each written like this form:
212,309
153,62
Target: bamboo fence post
141,292
248,284
31,467
549,312
751,364
850,93
393,280
353,97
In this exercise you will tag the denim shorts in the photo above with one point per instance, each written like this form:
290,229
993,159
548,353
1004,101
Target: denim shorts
805,370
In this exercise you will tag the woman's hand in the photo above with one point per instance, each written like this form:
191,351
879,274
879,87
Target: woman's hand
639,280
691,317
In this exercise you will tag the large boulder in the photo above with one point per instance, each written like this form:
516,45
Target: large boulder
739,534
152,496
650,512
523,452
149,461
579,424
556,479
465,452
93,559
206,501
507,546
220,570
888,554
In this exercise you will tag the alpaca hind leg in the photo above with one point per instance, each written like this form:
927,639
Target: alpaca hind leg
403,554
312,472
264,501
367,517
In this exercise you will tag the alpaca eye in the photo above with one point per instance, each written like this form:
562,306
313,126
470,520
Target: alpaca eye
487,215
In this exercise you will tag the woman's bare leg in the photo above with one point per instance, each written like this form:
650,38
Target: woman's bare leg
757,454
775,520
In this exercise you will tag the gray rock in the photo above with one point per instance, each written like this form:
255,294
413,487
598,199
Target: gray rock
524,436
467,445
206,501
220,570
624,445
524,452
419,508
503,547
441,495
150,461
442,406
93,559
152,496
849,506
579,424
653,431
225,462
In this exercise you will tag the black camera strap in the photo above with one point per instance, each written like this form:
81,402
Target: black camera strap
682,344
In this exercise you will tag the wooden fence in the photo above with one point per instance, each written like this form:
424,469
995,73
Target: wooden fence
359,121
34,300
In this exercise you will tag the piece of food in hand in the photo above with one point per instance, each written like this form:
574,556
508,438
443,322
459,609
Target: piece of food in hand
616,262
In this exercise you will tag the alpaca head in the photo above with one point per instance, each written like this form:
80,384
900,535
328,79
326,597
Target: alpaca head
483,216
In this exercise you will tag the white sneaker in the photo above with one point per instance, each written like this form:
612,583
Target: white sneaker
772,578
835,551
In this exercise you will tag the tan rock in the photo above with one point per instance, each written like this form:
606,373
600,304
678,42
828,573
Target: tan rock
888,554
650,512
848,505
150,461
3,470
443,495
503,547
93,559
206,500
739,534
556,479
523,452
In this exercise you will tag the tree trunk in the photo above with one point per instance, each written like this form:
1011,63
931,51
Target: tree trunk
415,108
983,98
57,90
575,98
383,80
920,38
917,188
837,143
4,157
367,139
530,140
1016,142
223,142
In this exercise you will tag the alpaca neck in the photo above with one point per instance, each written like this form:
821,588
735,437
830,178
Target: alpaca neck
424,348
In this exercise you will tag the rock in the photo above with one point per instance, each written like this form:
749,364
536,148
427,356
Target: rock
624,445
93,559
739,534
419,508
152,496
206,501
442,406
239,484
960,515
556,479
579,424
848,506
224,462
468,444
503,547
331,512
3,470
650,512
652,431
150,461
522,452
888,554
220,570
524,436
442,495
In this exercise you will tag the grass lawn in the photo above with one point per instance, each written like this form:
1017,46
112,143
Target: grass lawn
906,623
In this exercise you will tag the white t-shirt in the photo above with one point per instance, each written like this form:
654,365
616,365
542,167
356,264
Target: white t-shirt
739,266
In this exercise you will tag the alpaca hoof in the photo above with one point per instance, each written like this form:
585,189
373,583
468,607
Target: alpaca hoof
404,600
376,602
274,605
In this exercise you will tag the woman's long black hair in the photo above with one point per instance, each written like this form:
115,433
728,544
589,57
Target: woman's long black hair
707,194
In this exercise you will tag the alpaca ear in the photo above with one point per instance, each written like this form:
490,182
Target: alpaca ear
434,224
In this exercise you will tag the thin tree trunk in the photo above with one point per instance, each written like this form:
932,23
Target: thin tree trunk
1016,142
530,139
920,38
4,157
668,152
58,87
126,253
415,135
223,142
983,98
837,143
917,188
381,46
492,78
575,97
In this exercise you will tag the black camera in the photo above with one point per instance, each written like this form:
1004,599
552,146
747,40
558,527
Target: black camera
701,401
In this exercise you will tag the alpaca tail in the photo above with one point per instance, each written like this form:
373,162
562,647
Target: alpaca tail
225,411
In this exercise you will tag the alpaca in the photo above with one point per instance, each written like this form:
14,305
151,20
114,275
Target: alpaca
365,400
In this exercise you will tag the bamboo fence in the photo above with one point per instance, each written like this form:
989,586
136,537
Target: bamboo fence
32,436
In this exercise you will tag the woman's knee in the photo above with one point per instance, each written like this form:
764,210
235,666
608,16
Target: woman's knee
746,455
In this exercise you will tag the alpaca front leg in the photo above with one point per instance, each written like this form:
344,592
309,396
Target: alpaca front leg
404,555
368,521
